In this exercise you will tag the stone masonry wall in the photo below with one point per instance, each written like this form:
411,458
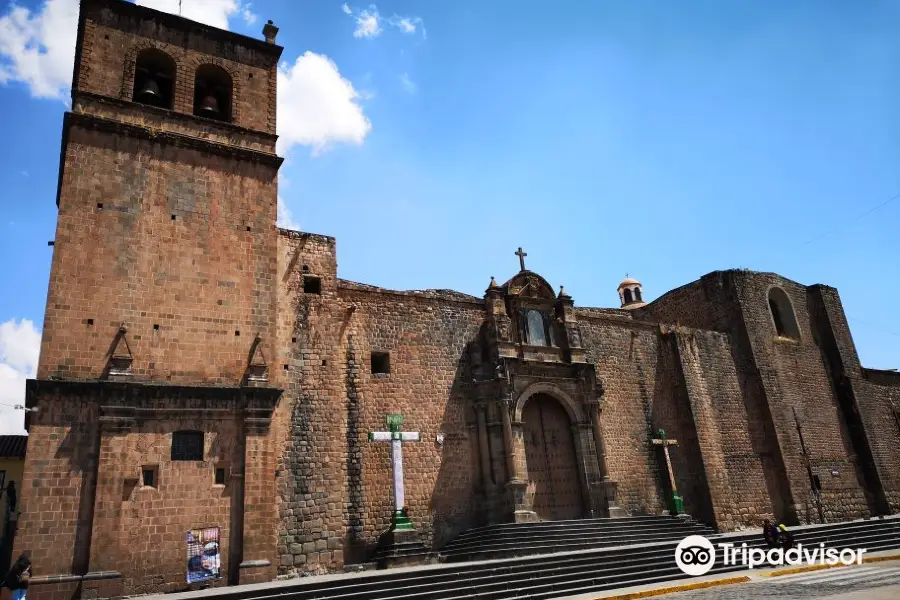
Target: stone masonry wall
626,358
880,401
335,485
176,244
733,462
140,531
112,40
796,379
868,403
58,481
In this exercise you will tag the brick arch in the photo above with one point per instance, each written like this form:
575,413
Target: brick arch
576,415
191,66
125,92
782,313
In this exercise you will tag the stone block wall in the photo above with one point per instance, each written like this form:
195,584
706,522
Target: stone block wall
90,515
626,357
59,480
880,407
335,486
797,381
110,41
733,457
176,244
140,531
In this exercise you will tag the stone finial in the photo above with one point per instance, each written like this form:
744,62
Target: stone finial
562,292
270,31
493,283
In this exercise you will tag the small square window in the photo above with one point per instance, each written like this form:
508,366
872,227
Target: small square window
187,445
381,363
220,475
312,285
148,477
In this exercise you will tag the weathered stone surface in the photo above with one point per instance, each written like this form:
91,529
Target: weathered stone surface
244,332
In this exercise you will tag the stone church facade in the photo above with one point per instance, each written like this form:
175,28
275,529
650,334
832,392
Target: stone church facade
202,368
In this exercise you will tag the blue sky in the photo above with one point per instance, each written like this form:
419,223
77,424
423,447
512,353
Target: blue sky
663,139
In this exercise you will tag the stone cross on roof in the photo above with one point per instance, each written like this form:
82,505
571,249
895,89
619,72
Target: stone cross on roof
521,256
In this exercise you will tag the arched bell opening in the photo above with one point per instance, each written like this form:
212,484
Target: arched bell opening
154,79
212,93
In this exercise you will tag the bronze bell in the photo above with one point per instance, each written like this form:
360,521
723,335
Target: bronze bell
209,105
150,91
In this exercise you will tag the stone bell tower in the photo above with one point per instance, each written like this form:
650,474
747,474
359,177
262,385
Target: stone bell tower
153,385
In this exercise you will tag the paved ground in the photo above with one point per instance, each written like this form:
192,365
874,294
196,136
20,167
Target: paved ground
875,581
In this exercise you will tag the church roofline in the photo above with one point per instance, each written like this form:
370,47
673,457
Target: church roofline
297,234
128,9
429,294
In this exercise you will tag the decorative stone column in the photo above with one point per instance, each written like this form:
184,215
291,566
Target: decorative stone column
565,312
607,487
521,493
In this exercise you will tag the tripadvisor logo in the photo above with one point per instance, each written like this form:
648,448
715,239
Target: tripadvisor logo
695,555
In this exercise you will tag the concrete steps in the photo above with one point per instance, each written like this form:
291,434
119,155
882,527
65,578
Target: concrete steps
552,575
520,539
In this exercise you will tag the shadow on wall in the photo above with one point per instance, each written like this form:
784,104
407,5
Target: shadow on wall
453,497
355,547
81,449
672,412
647,407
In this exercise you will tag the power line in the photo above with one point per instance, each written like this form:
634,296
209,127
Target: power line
861,322
854,220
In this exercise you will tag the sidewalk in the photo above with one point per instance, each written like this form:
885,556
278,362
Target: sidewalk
726,579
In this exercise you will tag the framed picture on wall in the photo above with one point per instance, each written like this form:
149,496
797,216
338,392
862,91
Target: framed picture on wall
203,561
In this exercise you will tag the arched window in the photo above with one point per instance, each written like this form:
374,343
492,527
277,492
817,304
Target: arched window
154,78
637,295
187,445
212,93
537,335
628,297
783,314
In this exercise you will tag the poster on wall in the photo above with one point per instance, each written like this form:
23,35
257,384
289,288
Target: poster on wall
203,561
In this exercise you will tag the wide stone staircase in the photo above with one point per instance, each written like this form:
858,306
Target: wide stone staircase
544,576
521,539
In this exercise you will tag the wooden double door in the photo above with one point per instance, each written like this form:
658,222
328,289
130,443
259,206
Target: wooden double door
551,458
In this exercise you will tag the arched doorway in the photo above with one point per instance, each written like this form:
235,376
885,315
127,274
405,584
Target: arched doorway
551,458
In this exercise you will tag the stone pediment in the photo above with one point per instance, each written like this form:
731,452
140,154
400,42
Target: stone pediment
528,284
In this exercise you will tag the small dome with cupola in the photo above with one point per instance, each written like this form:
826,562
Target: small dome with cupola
630,293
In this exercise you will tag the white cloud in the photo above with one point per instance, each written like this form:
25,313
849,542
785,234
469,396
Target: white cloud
408,84
209,12
38,48
317,107
368,22
286,216
408,25
20,345
248,15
